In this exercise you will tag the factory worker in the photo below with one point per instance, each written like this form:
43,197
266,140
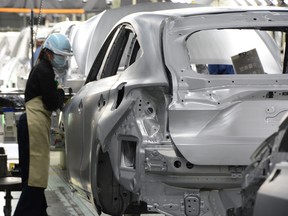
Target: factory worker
40,39
42,97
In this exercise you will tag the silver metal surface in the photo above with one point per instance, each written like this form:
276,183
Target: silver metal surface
149,127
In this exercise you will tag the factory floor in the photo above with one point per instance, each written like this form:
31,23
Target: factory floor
61,201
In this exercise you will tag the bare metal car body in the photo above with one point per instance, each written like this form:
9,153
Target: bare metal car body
152,128
15,71
19,63
7,42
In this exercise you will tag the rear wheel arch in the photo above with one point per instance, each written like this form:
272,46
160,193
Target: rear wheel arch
94,168
107,194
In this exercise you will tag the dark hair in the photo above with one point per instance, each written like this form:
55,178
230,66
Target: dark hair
43,54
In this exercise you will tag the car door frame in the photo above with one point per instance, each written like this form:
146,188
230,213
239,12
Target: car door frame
105,76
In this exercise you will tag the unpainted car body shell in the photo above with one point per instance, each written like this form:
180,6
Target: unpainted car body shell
172,136
19,63
217,101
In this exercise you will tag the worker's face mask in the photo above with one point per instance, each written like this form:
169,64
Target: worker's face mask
59,61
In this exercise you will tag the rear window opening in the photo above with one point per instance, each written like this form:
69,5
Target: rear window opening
237,51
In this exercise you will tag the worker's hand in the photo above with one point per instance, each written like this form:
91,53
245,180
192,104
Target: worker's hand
59,86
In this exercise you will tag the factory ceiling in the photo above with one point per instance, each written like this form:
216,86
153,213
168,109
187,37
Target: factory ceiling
49,5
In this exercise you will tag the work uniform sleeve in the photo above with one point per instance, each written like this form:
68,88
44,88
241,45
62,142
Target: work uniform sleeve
52,97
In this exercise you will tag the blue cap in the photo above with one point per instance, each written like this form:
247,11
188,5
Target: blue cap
58,44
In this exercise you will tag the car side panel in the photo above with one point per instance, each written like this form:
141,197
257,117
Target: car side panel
95,104
73,126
